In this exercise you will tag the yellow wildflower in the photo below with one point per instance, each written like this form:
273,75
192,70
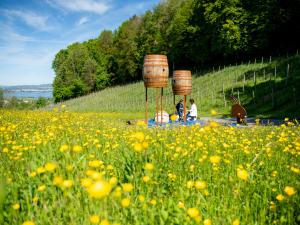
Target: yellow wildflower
63,148
193,212
207,222
94,219
127,187
77,148
125,202
146,179
139,136
200,185
16,206
149,166
57,180
280,197
215,159
41,188
28,223
86,182
242,174
67,183
113,180
153,202
104,222
190,184
138,147
289,190
181,205
50,167
99,189
141,198
236,222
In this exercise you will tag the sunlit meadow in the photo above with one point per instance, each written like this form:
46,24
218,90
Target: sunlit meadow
80,168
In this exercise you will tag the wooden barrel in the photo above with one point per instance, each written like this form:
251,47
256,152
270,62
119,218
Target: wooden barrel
156,71
182,82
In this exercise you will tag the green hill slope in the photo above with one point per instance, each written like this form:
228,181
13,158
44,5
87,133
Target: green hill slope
266,89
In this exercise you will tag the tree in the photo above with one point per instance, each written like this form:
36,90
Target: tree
126,56
41,102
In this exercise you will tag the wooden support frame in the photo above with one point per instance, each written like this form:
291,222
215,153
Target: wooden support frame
184,108
161,104
146,106
157,104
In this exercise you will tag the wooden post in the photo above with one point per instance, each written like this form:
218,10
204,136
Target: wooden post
156,103
235,77
174,103
146,107
273,103
287,74
161,104
275,73
184,108
244,80
295,96
223,90
270,60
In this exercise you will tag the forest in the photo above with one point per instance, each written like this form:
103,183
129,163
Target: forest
192,33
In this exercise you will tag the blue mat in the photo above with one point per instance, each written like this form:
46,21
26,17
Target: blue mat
171,124
152,123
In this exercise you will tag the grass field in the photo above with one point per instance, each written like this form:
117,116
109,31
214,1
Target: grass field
266,88
81,168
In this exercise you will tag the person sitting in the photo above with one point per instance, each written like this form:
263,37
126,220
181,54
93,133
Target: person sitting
179,108
192,113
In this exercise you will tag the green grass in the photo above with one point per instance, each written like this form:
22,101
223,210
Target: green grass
223,174
208,92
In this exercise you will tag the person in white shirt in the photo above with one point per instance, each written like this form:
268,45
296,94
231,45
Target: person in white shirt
192,115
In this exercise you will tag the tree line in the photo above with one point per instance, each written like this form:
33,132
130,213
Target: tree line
192,33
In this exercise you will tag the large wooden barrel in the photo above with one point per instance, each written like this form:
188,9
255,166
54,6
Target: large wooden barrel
156,71
182,82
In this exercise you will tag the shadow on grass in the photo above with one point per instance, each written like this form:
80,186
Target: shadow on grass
266,95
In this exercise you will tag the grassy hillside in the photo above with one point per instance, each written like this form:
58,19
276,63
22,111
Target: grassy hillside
267,88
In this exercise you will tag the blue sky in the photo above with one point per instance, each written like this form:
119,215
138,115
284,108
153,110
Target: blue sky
33,31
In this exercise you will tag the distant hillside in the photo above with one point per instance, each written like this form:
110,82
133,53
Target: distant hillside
266,87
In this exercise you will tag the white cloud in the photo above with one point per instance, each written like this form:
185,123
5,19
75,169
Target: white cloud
83,20
30,18
93,6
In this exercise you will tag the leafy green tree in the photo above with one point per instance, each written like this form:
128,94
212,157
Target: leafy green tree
126,56
41,102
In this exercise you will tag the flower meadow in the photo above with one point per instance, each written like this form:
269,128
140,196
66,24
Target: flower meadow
90,168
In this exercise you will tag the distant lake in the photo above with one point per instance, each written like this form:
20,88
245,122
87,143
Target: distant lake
29,94
28,91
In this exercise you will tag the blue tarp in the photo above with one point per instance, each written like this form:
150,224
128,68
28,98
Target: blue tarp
152,123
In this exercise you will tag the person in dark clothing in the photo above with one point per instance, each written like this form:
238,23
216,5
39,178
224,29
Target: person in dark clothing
179,108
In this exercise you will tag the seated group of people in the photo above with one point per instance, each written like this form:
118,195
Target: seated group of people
191,114
164,117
